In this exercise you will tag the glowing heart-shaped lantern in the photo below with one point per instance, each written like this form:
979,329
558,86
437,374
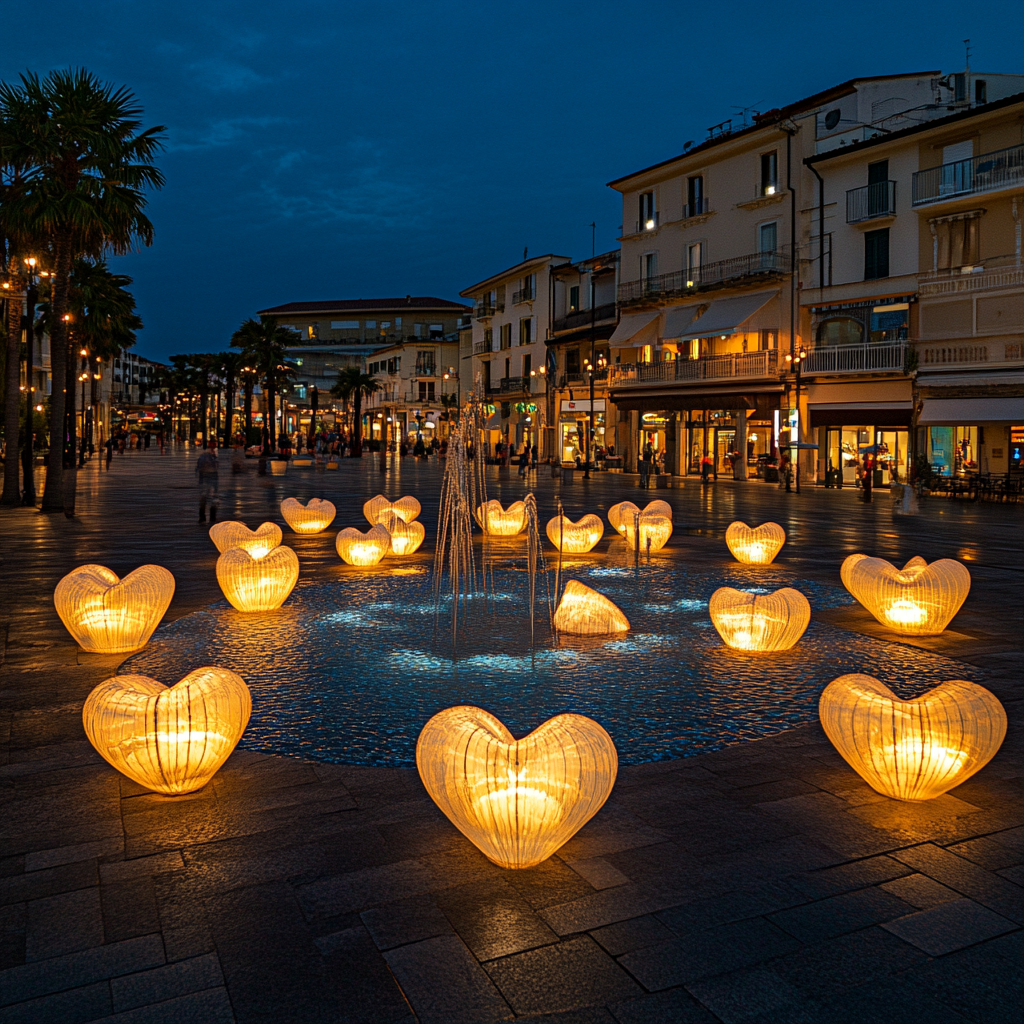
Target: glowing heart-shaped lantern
575,538
759,622
517,801
649,529
258,542
257,584
405,537
107,615
357,548
169,739
585,612
407,509
755,545
499,521
912,749
917,600
313,517
618,514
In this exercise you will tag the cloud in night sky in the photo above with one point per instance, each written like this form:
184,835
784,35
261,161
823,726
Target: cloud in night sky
336,150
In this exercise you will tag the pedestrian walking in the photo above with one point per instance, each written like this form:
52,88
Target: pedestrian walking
706,466
524,460
207,478
533,457
868,478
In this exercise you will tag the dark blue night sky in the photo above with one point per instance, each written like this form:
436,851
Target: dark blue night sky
341,150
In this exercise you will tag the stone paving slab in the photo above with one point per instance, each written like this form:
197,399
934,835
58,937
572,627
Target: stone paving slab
762,882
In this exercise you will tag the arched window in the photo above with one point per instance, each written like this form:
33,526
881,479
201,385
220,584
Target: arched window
841,330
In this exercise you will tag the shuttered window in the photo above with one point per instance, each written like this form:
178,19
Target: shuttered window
876,254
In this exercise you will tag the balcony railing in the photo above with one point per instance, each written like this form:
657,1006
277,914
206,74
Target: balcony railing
484,310
415,395
482,345
513,385
739,365
697,209
524,295
582,318
426,370
649,224
710,275
986,173
1003,272
890,357
871,201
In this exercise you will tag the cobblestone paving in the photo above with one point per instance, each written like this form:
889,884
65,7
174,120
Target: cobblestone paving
764,882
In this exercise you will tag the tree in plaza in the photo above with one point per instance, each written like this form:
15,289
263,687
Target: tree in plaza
83,164
353,386
264,344
230,367
13,286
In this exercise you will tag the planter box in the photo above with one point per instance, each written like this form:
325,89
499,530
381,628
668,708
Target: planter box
278,467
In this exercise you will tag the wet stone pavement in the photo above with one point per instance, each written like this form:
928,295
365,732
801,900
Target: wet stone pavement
760,882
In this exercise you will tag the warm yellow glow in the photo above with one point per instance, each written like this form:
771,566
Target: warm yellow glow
169,739
585,612
755,545
313,517
917,600
278,467
405,537
915,749
357,548
625,510
257,583
654,531
107,615
229,534
407,509
499,521
759,622
575,538
517,801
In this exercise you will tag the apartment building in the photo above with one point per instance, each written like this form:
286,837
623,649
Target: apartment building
334,334
719,244
512,318
915,320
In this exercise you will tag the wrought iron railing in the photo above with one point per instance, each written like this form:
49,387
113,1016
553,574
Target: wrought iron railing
696,209
649,224
582,317
871,201
888,357
1000,272
513,385
740,364
1003,168
487,309
524,295
482,345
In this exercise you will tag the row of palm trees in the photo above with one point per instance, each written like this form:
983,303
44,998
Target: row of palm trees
75,168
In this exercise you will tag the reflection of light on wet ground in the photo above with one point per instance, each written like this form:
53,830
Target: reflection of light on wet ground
351,669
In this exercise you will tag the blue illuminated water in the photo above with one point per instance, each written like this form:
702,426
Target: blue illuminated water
349,670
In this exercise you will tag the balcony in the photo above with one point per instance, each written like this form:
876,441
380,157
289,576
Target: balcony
426,397
582,318
426,370
701,208
524,295
510,386
890,357
481,346
650,224
745,365
999,273
990,172
870,202
485,310
710,275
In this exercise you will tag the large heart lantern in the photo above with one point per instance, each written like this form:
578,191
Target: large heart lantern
258,542
313,517
585,612
499,521
755,545
575,538
257,584
407,509
759,622
358,548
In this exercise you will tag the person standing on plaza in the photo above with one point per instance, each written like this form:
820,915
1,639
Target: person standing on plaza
524,460
207,478
867,480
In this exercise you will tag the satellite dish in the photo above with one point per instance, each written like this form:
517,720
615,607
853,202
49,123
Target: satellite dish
832,119
688,145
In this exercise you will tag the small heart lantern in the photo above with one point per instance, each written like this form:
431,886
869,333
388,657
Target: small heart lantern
357,548
257,584
257,542
169,739
759,622
405,537
499,521
107,615
313,517
917,600
407,509
651,529
585,612
575,538
517,801
755,545
912,749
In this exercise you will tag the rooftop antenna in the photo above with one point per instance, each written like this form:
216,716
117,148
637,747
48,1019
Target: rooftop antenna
967,50
525,251
593,239
743,111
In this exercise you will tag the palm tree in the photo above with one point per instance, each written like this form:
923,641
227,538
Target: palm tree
354,385
13,286
82,163
264,345
231,365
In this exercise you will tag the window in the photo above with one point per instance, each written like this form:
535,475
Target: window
878,188
527,364
769,339
313,331
876,254
769,173
371,323
526,331
959,88
436,331
956,240
694,196
426,390
694,254
841,330
506,336
574,298
648,215
980,91
425,366
340,325
529,288
488,338
572,362
768,237
890,323
648,266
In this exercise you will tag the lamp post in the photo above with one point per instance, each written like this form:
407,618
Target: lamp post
540,372
451,374
83,377
796,360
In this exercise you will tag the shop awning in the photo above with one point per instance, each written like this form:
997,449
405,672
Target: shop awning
861,414
967,411
633,330
677,320
726,316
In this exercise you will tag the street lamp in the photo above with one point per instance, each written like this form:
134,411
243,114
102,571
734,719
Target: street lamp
83,377
795,360
452,375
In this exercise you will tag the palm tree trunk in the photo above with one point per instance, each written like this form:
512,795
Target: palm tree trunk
53,490
357,424
12,397
71,472
271,411
247,413
229,412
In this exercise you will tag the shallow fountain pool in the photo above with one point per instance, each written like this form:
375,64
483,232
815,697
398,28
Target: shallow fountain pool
351,669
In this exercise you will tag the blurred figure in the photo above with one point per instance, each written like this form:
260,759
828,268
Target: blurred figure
207,478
